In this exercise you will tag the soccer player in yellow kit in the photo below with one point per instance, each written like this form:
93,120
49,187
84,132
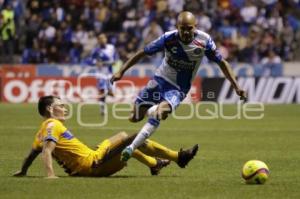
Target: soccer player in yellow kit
54,140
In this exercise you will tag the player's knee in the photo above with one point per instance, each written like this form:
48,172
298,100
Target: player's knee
135,118
119,137
123,135
163,114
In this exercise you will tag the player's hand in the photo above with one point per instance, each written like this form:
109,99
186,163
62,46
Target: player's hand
116,77
19,174
242,94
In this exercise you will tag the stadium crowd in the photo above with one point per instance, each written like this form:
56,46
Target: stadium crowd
64,31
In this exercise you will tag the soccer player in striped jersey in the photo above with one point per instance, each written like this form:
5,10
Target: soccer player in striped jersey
184,49
104,55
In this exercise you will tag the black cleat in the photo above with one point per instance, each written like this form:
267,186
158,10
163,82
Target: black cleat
161,163
185,156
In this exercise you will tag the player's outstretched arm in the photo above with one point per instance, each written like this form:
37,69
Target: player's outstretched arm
133,60
226,69
27,162
49,146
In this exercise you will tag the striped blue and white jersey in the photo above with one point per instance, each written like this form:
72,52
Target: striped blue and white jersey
181,61
107,55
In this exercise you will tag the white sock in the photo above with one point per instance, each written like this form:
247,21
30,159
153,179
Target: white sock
151,111
102,108
147,130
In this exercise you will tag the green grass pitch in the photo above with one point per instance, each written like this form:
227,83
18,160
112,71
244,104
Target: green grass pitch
225,145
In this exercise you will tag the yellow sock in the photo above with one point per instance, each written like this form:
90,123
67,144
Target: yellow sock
143,158
155,149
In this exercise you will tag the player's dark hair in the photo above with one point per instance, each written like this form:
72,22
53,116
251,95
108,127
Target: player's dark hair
43,104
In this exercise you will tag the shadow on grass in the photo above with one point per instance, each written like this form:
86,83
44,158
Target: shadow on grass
146,176
95,177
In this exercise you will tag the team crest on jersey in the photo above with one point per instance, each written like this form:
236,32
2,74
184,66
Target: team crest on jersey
49,128
197,51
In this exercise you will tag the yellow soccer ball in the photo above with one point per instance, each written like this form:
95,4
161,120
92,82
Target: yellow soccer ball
255,172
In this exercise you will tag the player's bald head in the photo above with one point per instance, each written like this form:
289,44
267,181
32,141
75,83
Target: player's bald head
186,24
186,18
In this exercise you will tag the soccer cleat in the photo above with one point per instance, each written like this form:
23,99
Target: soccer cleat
161,163
185,156
126,154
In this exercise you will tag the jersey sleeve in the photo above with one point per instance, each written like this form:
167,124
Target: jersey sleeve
94,57
37,142
155,46
211,51
54,130
116,55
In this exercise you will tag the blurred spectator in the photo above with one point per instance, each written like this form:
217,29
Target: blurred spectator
33,55
53,55
152,32
47,32
271,65
249,12
80,35
90,43
19,10
8,33
31,30
192,5
114,23
248,53
240,41
34,7
245,29
227,30
203,21
176,5
161,6
75,53
67,33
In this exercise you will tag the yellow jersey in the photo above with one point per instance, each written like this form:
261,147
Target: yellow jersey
74,156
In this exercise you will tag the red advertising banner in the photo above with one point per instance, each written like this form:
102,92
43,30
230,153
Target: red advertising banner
75,90
17,71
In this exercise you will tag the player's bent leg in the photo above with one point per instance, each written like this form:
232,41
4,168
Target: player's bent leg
182,158
102,99
163,110
113,146
108,154
109,167
138,113
152,148
147,130
118,139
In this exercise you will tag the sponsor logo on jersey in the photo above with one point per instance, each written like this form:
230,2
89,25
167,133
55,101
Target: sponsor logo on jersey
181,64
